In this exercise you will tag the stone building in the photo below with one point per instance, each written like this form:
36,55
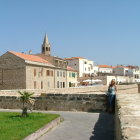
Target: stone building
59,63
23,71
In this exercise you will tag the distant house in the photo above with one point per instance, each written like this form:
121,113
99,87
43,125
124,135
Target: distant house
84,66
105,69
71,77
122,71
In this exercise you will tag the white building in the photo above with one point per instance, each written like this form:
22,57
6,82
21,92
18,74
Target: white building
82,65
105,69
122,71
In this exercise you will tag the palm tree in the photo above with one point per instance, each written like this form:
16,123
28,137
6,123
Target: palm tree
26,100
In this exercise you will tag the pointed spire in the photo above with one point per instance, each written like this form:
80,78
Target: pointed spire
46,40
46,47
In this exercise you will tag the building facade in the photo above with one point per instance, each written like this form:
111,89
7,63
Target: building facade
106,69
22,71
40,71
71,77
82,65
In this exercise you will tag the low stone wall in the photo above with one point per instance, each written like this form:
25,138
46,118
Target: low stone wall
127,117
60,102
77,90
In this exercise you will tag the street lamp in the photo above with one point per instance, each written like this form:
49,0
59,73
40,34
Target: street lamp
91,75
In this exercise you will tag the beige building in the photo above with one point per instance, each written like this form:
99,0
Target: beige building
23,71
71,77
60,69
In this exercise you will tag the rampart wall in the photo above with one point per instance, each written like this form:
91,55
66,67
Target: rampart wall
60,102
127,117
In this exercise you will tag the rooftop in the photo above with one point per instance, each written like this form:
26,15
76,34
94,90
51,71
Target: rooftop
71,58
30,57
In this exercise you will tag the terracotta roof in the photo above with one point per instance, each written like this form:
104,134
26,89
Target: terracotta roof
30,57
121,66
71,69
74,58
132,67
105,66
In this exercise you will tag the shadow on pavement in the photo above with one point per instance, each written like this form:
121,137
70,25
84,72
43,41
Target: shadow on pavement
104,128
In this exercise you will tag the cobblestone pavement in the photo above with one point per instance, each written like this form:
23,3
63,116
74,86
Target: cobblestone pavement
83,126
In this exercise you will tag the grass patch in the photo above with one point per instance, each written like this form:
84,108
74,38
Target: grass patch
15,127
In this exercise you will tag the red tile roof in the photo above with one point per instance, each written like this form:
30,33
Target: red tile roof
121,66
30,57
74,58
105,66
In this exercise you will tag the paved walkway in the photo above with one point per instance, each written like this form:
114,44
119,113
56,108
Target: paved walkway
82,126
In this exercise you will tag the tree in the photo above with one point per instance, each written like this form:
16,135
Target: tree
26,101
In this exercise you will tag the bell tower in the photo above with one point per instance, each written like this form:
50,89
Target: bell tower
46,47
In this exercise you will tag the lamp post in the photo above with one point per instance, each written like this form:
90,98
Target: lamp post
91,75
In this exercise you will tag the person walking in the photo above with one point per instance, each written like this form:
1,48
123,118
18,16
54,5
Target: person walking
112,89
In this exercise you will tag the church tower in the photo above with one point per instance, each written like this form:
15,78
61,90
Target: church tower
46,47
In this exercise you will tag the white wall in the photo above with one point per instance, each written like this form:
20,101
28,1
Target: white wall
106,70
83,66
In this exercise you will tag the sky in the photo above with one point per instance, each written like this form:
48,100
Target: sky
105,31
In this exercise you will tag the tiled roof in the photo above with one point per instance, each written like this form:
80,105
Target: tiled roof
71,69
121,66
30,57
74,58
105,66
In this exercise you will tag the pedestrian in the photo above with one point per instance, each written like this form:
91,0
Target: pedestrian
112,89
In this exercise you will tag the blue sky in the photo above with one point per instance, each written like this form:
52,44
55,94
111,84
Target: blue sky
105,31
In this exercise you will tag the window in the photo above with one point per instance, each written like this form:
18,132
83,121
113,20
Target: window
41,84
34,84
60,73
57,73
85,69
63,74
34,72
85,62
57,84
51,73
47,73
69,84
73,75
63,84
41,72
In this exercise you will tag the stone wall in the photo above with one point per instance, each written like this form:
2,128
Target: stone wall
127,117
12,72
60,102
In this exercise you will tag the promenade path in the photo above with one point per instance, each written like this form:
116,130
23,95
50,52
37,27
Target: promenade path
82,126
79,126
